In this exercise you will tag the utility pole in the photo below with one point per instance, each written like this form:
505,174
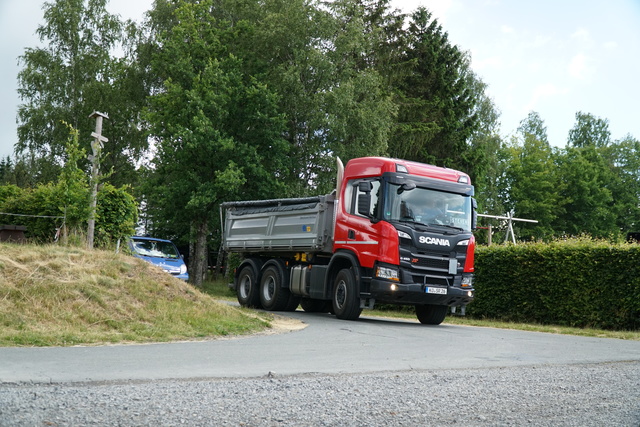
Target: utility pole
96,145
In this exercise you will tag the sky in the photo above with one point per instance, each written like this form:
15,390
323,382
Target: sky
554,57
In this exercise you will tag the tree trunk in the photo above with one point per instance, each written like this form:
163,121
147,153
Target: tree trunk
200,256
220,263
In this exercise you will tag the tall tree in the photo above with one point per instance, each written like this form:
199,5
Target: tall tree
589,131
73,75
216,128
359,105
319,60
484,161
586,191
624,159
436,103
530,179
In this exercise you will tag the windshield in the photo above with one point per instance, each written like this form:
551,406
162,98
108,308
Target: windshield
429,207
154,248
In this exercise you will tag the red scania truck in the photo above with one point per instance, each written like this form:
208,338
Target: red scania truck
393,232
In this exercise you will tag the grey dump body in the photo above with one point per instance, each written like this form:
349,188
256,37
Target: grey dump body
279,225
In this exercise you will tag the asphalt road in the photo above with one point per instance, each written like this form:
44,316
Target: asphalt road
327,345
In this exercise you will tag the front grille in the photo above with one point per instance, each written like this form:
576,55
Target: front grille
428,280
429,269
430,262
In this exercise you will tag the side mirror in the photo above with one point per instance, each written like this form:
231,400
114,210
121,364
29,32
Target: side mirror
364,198
365,187
406,186
474,214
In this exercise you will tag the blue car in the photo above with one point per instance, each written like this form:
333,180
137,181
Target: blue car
162,253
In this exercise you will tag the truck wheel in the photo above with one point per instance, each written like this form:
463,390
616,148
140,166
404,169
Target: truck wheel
346,298
247,288
272,295
431,314
315,305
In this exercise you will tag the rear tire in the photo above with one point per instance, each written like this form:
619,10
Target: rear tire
247,287
273,296
431,314
346,297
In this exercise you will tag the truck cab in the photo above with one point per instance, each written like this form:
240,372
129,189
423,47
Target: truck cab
410,226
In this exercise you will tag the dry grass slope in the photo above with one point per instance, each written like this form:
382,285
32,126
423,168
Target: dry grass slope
54,296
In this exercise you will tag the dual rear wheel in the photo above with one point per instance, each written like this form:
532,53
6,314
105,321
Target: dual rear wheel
264,290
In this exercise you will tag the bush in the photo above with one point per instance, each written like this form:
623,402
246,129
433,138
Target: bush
116,213
580,283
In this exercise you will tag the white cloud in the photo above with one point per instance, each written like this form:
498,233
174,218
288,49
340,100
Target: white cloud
580,67
507,29
495,62
541,41
542,92
581,34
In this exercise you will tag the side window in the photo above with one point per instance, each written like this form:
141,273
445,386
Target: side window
353,195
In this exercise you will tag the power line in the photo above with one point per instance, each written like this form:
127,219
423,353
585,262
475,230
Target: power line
32,216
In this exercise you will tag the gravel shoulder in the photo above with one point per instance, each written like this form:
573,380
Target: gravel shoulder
562,395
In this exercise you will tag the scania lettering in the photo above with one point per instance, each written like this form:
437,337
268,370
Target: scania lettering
434,241
393,232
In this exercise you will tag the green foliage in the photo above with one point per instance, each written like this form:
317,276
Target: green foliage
44,200
116,211
590,187
586,193
589,131
116,215
530,182
218,128
8,192
73,186
580,283
73,74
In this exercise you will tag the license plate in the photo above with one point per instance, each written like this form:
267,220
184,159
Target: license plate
440,291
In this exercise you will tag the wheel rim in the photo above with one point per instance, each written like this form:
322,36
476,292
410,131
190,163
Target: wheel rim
269,288
341,294
245,287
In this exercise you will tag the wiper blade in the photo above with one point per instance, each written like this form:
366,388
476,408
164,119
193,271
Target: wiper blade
453,227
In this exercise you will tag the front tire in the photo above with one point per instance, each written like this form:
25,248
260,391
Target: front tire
247,287
273,296
315,305
431,314
346,297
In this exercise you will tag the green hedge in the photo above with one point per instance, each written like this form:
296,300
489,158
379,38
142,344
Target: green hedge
578,283
116,212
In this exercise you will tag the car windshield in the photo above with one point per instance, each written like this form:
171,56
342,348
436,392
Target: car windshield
429,207
155,248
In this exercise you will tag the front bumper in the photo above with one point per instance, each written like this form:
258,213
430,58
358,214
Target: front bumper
383,291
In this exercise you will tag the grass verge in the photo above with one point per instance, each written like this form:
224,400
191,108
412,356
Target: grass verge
61,296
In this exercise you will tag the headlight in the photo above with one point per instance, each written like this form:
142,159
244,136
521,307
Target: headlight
467,281
403,235
388,273
183,269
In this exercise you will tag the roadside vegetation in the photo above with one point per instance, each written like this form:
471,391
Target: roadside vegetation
62,296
